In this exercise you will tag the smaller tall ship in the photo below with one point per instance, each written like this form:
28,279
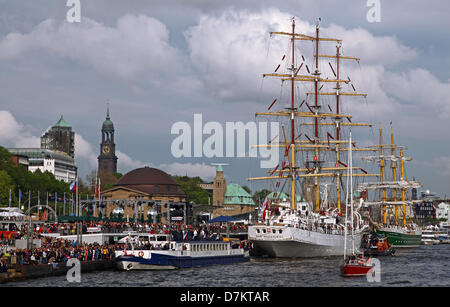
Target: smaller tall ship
394,225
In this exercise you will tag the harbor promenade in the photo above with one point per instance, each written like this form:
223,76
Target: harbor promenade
51,255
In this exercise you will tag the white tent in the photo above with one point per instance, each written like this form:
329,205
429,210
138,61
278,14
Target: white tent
11,214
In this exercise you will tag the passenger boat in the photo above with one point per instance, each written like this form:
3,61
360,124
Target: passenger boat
159,252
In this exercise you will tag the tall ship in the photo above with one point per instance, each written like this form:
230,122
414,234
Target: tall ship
400,230
308,219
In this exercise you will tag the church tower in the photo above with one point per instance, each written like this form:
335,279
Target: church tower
107,160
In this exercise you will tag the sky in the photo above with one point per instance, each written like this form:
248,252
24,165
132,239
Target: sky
160,62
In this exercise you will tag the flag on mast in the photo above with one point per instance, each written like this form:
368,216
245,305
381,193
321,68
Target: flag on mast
74,186
264,208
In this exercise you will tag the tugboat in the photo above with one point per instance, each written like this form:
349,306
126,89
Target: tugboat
353,266
374,245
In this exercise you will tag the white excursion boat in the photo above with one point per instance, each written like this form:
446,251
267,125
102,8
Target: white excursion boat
158,252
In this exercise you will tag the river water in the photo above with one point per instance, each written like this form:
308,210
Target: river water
419,267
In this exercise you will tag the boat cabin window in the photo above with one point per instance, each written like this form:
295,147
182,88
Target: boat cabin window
257,230
161,238
280,230
264,231
274,231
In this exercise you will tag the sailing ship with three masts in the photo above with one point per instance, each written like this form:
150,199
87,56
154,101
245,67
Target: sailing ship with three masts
392,195
312,225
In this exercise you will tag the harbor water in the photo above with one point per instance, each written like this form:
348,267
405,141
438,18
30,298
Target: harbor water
425,266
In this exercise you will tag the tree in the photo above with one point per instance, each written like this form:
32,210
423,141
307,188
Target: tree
247,189
194,193
6,185
259,196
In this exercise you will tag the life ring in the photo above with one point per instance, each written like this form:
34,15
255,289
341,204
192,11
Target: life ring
141,254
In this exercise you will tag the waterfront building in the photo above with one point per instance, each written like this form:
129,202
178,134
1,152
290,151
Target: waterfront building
424,210
21,160
107,160
61,165
59,138
443,211
236,201
149,193
56,154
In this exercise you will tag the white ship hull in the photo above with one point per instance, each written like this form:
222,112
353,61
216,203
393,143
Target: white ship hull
293,242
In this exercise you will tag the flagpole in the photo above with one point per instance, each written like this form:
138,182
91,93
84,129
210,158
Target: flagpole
20,197
64,206
95,194
29,201
39,204
99,194
56,207
47,206
76,197
10,197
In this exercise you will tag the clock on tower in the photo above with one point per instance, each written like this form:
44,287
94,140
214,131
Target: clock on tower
107,160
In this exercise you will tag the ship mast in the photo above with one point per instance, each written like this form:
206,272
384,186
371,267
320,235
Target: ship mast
402,184
394,177
382,176
291,171
292,144
403,190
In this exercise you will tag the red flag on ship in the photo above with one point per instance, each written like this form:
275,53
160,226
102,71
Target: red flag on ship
264,208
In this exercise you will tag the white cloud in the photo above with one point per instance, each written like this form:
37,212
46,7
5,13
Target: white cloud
14,134
358,42
138,46
85,151
231,51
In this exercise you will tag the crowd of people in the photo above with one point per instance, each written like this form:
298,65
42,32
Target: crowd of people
58,250
54,250
120,227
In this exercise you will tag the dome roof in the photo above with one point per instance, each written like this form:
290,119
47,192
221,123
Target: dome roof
150,180
107,124
146,175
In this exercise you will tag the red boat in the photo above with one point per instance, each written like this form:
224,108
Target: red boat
356,266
